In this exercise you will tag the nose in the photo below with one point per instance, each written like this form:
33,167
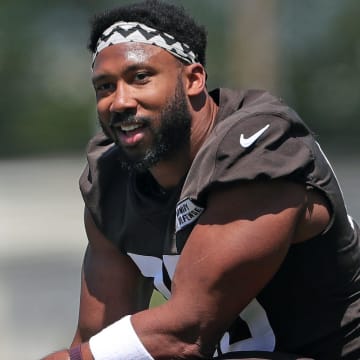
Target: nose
123,98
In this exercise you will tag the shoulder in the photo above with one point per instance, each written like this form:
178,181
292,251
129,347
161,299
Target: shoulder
97,148
103,162
262,139
102,171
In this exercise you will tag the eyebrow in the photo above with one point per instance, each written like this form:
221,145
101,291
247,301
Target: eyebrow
128,69
98,78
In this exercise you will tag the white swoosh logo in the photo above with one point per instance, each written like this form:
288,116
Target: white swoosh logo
246,142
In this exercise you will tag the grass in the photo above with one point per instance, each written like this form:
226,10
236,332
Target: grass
156,299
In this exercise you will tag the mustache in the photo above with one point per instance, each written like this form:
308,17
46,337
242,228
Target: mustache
127,118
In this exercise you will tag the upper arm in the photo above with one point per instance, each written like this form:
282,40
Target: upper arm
233,251
111,285
237,246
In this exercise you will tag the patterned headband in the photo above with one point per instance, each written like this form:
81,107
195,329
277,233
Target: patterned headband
122,31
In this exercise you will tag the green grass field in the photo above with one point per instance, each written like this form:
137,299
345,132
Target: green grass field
156,299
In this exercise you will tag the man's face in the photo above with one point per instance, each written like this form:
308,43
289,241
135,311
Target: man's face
141,102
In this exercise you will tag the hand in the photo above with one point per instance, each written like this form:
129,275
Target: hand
64,354
58,355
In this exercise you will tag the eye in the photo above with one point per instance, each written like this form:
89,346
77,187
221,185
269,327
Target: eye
102,89
141,76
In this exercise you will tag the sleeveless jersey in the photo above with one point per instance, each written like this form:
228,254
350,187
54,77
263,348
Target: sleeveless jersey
312,304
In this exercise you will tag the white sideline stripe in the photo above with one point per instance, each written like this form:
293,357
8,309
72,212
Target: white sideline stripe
170,262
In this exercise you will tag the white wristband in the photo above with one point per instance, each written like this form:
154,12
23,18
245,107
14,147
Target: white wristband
118,342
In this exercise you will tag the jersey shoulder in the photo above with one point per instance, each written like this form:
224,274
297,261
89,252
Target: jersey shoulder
101,171
262,139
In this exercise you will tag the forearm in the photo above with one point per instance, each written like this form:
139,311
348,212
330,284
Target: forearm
168,333
78,339
157,333
151,339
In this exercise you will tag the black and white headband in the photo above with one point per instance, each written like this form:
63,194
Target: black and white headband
123,31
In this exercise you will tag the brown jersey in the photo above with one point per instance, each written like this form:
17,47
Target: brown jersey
312,304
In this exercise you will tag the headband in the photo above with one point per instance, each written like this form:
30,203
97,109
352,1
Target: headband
122,31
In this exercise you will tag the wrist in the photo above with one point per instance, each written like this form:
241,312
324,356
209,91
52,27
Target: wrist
118,341
80,352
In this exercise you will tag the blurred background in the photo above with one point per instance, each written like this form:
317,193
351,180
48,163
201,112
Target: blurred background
306,52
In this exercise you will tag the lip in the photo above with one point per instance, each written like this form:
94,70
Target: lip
129,135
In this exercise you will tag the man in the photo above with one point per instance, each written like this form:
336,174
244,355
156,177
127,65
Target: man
221,200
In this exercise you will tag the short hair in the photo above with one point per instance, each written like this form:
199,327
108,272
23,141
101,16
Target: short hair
159,15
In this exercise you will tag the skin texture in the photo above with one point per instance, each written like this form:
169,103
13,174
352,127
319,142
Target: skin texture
254,235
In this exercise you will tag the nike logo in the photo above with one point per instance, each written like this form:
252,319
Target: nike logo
246,142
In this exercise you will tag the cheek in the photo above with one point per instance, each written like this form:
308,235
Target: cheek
158,93
103,113
103,107
156,98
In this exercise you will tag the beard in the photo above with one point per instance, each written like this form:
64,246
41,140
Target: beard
169,139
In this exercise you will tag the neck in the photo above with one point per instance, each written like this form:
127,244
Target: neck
170,172
203,123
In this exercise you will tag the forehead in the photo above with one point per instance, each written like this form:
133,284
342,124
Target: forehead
132,53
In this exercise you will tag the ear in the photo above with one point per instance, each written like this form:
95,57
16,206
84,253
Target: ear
195,79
